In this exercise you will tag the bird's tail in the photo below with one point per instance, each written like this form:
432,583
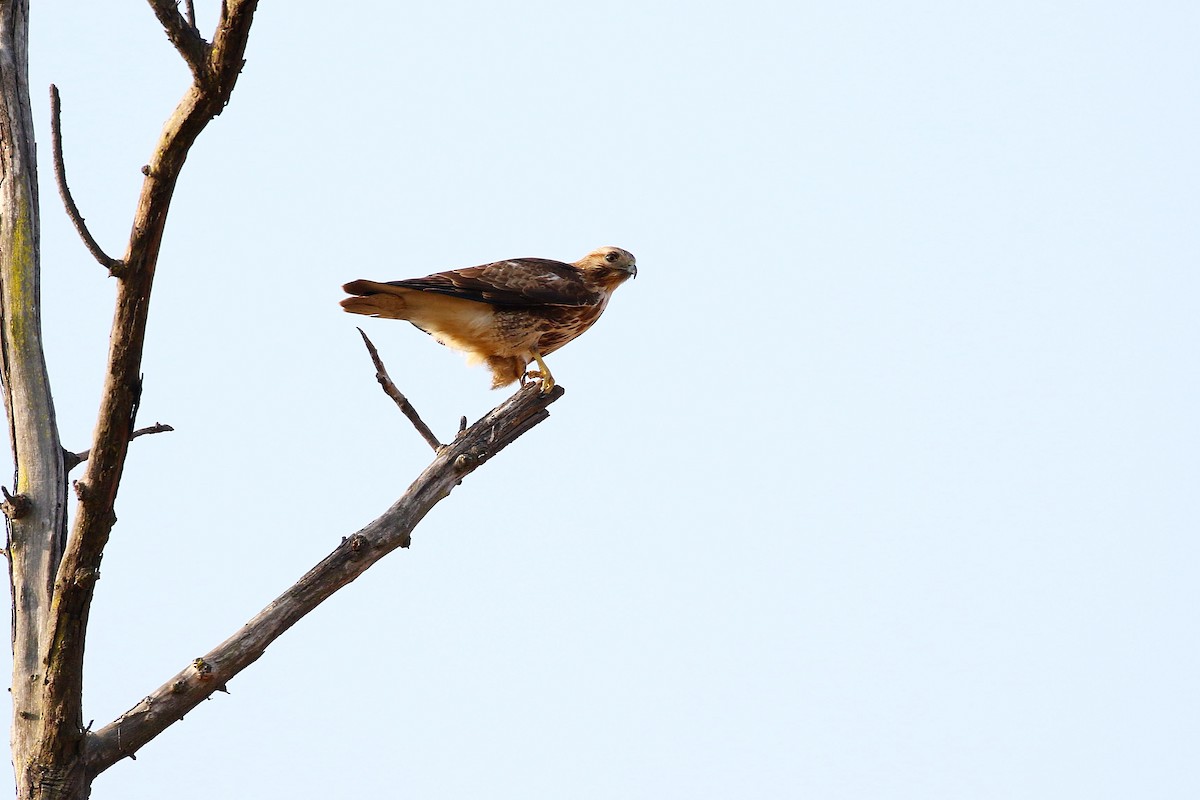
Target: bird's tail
376,300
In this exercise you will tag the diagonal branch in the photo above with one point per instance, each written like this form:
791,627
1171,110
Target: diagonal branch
60,176
210,673
389,388
229,44
183,34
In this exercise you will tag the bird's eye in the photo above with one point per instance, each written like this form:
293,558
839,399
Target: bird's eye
612,257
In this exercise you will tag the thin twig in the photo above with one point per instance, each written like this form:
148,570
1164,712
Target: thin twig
60,176
189,13
75,459
401,401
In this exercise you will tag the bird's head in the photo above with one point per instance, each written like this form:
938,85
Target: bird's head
610,266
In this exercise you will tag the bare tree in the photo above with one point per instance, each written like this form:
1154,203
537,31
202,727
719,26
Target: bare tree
53,570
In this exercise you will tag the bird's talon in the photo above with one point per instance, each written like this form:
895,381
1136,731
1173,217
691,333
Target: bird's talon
543,372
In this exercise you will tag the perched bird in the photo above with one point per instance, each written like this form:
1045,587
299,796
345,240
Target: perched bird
504,314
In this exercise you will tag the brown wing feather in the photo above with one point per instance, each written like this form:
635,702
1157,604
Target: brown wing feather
517,283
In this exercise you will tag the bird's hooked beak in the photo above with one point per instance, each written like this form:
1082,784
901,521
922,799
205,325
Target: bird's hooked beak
633,270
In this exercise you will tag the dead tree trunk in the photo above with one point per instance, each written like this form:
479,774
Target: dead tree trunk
46,748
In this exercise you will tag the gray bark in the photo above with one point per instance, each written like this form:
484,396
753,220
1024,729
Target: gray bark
42,744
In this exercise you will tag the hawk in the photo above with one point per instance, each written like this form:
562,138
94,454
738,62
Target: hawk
505,314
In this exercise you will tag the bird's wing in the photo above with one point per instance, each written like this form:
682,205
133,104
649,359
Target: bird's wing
518,283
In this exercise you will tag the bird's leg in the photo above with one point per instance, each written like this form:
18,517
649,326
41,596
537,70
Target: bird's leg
543,373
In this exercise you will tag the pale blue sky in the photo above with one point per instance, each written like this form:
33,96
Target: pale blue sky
879,482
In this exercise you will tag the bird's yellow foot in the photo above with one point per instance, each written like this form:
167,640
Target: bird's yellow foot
543,372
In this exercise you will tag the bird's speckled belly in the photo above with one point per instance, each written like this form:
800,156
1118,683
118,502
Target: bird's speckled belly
564,324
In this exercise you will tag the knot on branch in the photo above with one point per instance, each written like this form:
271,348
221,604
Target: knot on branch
203,669
14,506
85,575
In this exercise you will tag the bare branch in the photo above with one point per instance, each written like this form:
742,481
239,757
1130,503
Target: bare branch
73,460
229,43
62,643
184,35
189,13
391,391
210,673
60,176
